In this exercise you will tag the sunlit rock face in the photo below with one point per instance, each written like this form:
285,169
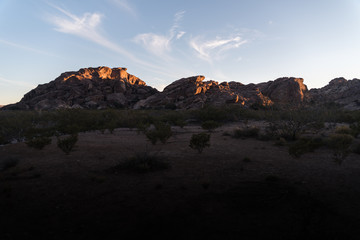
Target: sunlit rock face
340,91
194,92
103,87
93,88
284,90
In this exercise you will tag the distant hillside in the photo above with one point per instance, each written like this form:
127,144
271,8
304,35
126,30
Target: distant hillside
103,87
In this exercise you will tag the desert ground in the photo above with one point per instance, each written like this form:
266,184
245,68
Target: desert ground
234,189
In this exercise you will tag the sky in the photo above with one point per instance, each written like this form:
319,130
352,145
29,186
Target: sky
160,41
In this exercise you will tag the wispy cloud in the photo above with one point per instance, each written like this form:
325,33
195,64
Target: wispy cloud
214,49
4,81
161,44
87,27
26,48
126,6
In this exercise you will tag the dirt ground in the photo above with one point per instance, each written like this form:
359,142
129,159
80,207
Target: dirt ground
235,189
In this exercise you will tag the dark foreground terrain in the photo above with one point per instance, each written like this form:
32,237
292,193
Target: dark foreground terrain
235,189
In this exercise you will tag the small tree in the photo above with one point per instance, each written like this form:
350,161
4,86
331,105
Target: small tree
200,141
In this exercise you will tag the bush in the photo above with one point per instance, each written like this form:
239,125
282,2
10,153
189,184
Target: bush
67,143
160,132
304,145
290,130
38,142
142,163
343,130
246,132
340,143
200,141
210,125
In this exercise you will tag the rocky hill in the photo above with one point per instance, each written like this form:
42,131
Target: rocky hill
193,92
97,88
103,87
340,91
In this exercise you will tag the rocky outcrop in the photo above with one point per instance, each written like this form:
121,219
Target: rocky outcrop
284,90
103,87
193,92
92,88
340,91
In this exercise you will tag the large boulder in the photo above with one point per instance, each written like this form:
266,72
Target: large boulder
284,90
100,87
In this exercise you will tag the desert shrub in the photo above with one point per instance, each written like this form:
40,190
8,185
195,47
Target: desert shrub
176,118
67,143
142,163
246,132
304,145
38,142
210,125
8,163
211,113
343,130
200,141
340,143
289,130
161,131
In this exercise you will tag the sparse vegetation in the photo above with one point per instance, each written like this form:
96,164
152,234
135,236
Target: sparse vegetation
304,145
142,163
200,141
340,143
38,142
67,143
343,130
210,125
246,132
160,132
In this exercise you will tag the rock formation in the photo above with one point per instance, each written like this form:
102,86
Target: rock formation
193,92
340,91
93,88
103,87
284,90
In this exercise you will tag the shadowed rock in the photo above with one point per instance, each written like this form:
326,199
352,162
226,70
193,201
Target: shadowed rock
339,91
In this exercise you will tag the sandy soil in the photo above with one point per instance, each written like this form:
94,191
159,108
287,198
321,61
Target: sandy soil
213,195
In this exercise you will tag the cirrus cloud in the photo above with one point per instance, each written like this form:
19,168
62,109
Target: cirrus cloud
214,49
160,44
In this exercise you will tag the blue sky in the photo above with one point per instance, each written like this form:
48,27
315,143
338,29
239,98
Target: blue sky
161,41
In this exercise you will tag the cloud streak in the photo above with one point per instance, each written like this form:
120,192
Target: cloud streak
87,27
126,6
4,81
161,44
214,49
19,46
